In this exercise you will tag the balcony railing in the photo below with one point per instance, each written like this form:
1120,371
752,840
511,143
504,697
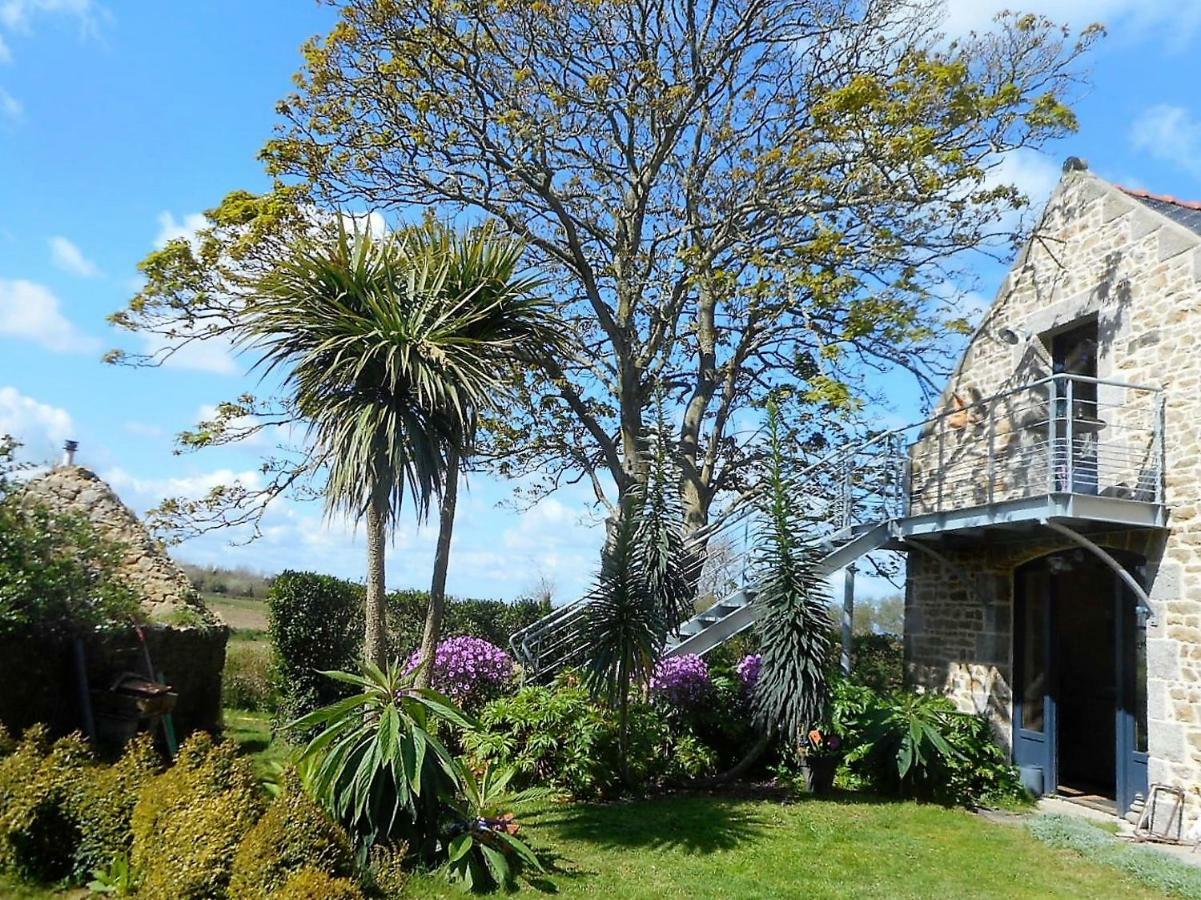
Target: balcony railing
1061,434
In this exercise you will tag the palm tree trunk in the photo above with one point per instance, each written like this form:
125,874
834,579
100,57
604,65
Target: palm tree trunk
437,606
375,638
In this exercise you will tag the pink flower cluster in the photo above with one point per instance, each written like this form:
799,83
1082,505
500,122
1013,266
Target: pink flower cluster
748,669
468,669
681,680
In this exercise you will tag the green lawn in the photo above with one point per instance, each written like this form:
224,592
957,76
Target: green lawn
699,846
245,615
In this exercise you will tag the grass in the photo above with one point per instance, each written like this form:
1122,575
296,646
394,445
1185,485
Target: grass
851,847
251,731
247,616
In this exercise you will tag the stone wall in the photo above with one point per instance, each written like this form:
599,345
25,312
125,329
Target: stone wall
1098,252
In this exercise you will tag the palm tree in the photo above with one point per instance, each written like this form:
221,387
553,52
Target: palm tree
390,355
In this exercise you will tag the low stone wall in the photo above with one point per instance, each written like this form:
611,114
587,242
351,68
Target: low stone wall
39,682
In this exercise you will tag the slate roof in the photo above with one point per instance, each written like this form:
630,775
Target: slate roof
1182,212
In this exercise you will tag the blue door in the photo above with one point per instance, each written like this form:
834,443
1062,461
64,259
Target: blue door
1131,713
1034,699
1069,607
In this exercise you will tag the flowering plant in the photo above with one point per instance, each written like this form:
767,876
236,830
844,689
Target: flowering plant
681,681
469,670
748,669
818,744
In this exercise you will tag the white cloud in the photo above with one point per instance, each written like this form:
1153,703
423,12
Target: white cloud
145,430
1170,134
170,228
39,426
10,106
192,487
31,312
6,55
18,15
70,258
1130,18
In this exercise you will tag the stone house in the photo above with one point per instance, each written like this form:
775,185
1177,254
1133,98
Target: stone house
1052,529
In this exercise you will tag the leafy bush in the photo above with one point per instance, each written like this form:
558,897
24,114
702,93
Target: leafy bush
469,670
189,821
315,622
38,785
919,745
249,681
292,835
560,737
386,871
376,765
310,884
56,572
103,806
494,621
1163,873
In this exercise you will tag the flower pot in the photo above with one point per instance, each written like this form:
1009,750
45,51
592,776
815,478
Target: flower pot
819,774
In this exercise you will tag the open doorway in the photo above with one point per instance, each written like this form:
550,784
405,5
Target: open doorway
1080,704
1083,644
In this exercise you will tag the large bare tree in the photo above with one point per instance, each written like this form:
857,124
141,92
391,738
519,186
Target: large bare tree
734,198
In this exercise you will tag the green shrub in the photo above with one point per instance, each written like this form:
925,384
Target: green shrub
386,870
560,737
189,821
310,884
103,806
248,681
293,834
494,621
316,624
38,787
919,745
56,572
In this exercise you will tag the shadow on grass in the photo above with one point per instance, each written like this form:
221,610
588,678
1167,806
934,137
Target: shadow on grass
687,824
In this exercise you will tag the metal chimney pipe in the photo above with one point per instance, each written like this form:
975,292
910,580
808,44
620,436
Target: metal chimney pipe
69,449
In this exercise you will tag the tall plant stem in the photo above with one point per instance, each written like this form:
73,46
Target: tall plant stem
375,638
437,606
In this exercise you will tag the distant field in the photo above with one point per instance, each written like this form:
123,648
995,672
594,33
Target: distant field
245,615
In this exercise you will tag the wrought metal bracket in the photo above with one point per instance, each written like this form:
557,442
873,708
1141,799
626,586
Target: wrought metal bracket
1146,610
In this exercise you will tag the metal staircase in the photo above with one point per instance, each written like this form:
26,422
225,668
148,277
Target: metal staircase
849,498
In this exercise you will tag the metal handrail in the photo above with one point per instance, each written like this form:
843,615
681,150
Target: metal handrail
888,491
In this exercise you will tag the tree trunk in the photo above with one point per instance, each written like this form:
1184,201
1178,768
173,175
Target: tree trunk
437,605
375,639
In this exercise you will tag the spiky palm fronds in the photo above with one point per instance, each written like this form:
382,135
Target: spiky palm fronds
659,553
794,623
391,347
625,627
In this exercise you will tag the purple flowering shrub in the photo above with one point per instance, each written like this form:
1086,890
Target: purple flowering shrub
469,670
681,681
748,669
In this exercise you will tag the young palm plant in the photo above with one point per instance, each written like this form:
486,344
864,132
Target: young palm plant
390,347
793,625
377,763
641,594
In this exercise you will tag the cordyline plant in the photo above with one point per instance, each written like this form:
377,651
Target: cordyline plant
390,348
377,763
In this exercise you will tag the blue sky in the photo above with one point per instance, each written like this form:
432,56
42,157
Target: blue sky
120,121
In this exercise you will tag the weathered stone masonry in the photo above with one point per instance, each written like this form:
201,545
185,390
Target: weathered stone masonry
1098,251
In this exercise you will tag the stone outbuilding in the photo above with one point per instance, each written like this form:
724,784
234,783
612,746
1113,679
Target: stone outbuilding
179,638
1052,529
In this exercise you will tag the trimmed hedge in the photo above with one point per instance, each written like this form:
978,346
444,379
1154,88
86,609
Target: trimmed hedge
310,884
316,624
494,621
293,834
189,822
